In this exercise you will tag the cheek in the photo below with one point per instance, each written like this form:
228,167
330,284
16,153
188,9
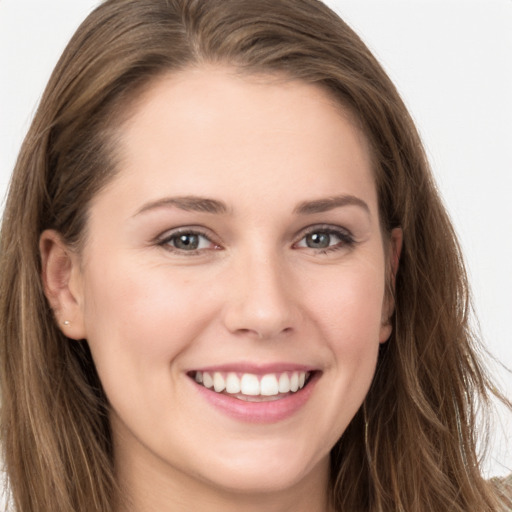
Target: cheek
349,306
347,309
138,318
349,313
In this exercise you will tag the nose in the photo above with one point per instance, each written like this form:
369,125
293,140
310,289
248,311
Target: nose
261,301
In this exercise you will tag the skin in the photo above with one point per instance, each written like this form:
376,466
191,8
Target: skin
255,291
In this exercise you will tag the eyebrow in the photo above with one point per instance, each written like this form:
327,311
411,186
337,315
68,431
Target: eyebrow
329,203
214,206
187,203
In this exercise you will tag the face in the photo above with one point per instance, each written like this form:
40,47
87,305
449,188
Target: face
232,283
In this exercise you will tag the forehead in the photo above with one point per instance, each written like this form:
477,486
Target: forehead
202,129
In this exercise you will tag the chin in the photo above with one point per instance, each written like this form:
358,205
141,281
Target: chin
266,472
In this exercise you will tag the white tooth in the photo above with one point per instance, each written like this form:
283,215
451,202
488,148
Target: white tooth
218,382
199,377
284,383
294,382
207,380
269,385
302,379
250,385
232,383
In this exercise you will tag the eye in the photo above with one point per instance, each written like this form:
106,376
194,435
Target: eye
325,239
187,241
319,240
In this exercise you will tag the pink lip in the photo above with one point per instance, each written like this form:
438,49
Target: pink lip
255,368
258,412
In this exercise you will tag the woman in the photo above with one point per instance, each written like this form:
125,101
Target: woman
228,281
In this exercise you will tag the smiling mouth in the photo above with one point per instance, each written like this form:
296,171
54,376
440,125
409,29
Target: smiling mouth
250,387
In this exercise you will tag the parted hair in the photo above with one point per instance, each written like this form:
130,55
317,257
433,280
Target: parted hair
412,445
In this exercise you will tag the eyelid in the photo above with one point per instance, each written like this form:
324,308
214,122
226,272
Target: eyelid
343,233
328,228
164,238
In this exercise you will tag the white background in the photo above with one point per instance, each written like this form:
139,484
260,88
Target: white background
451,61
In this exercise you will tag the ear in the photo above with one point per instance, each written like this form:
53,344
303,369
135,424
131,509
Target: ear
62,283
393,258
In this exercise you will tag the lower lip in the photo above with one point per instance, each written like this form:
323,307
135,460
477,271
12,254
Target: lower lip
259,412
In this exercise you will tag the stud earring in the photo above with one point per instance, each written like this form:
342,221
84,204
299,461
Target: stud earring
66,322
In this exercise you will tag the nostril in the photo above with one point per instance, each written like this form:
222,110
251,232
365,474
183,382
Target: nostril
265,334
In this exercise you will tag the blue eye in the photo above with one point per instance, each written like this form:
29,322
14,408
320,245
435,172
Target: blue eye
318,240
323,239
187,241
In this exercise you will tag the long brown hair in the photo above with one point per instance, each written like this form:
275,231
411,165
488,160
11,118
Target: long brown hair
412,446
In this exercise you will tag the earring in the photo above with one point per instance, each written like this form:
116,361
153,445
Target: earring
66,322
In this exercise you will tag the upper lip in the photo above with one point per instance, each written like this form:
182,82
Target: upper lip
256,369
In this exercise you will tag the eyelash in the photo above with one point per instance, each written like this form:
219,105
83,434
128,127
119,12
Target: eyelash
168,238
345,237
